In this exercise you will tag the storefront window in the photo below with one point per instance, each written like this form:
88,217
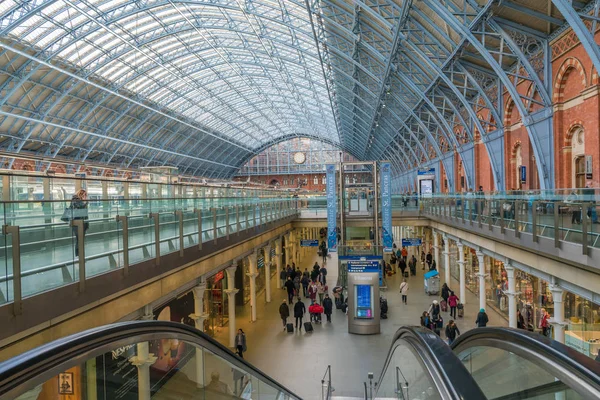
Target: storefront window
583,329
216,304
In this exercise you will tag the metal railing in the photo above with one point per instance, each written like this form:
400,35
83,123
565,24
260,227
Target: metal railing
38,257
326,388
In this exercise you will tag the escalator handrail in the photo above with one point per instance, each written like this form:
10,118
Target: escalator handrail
539,348
437,355
37,363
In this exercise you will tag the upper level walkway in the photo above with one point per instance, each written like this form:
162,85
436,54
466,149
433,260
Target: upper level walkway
40,253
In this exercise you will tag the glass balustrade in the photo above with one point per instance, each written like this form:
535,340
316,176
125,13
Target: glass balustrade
56,245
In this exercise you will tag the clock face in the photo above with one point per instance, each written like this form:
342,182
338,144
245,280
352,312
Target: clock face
299,158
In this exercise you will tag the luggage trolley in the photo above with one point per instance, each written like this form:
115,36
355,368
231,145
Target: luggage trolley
432,282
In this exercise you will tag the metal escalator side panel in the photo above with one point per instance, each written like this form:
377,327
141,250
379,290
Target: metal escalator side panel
418,356
578,372
177,344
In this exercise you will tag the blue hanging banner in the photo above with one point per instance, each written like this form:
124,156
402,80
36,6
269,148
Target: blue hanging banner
331,208
386,206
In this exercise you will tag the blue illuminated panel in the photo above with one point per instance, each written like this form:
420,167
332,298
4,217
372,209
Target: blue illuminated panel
364,301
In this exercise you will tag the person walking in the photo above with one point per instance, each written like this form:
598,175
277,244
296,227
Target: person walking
289,285
313,290
297,284
323,271
597,356
404,253
445,292
423,260
283,277
451,331
305,281
402,265
284,313
520,320
328,306
434,310
482,319
321,289
429,259
425,320
544,323
299,310
453,303
240,343
404,290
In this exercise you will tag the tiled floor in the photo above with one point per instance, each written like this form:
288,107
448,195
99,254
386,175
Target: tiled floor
299,360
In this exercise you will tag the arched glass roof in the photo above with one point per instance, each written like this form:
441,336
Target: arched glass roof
205,85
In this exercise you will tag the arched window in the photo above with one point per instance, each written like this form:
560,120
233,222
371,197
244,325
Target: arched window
316,180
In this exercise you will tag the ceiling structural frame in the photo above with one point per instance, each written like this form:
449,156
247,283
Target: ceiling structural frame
193,83
235,75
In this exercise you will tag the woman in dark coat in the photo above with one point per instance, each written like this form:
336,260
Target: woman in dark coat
299,310
78,208
482,319
328,306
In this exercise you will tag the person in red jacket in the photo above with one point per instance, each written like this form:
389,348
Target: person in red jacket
544,323
315,311
453,303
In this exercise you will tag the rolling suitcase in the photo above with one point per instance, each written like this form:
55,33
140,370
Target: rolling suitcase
461,310
406,274
308,327
444,305
290,328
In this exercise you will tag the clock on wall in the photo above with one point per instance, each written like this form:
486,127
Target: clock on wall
299,157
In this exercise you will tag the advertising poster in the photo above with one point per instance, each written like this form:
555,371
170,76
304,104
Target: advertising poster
386,207
331,208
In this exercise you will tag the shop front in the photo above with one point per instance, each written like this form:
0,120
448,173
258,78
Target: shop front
216,304
583,325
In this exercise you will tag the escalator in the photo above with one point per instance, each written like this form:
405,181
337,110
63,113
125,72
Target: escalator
485,363
421,366
511,364
159,360
139,360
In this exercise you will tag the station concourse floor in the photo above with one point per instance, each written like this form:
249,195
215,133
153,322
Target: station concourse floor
298,360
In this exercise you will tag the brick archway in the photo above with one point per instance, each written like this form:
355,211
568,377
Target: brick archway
567,68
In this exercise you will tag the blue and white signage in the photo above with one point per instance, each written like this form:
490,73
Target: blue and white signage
366,266
411,242
429,171
309,243
331,208
386,206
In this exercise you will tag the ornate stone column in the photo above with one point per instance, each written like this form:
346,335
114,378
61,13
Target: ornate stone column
481,275
512,294
199,316
231,291
143,360
446,258
461,266
252,274
267,250
558,320
278,253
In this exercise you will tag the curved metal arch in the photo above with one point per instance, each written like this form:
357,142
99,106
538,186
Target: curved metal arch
546,180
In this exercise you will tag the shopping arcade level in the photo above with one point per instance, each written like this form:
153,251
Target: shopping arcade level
47,250
418,362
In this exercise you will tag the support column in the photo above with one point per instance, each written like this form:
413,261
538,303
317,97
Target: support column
511,294
481,275
231,291
199,316
268,273
436,247
143,360
461,266
288,250
558,320
252,274
278,253
447,259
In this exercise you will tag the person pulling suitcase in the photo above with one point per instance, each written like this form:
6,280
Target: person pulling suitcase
284,313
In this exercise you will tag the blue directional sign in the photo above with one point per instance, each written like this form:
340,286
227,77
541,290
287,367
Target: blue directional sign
361,266
309,243
331,191
411,242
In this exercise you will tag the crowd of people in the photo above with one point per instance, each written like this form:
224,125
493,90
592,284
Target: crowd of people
314,287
